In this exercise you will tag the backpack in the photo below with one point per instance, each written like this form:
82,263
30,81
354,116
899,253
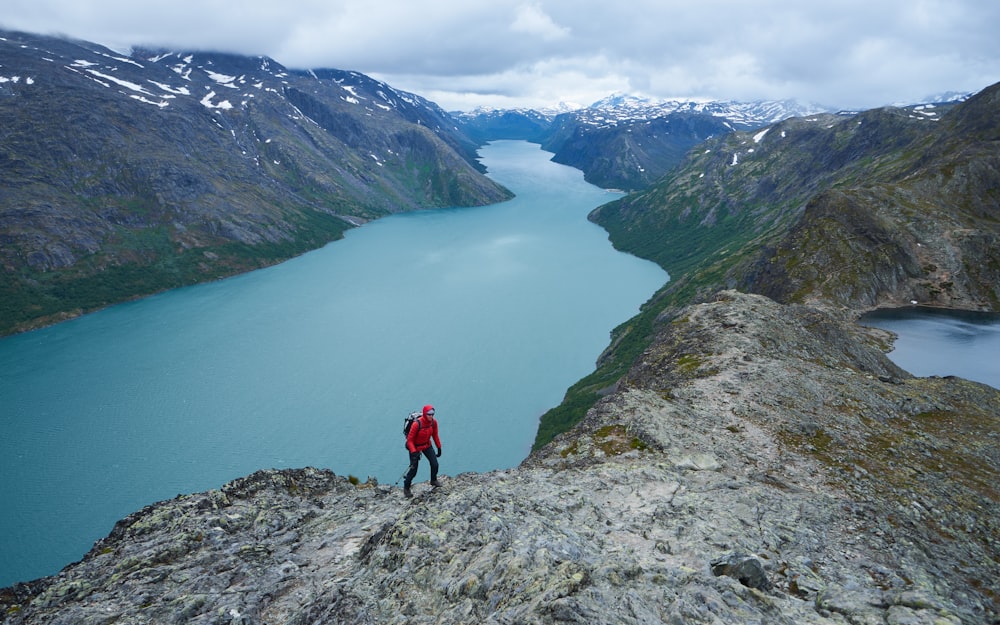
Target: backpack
408,421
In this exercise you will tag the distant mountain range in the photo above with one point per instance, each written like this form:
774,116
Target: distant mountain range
125,175
618,108
628,142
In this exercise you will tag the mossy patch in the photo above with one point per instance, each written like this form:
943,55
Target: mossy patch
611,440
688,364
614,440
570,450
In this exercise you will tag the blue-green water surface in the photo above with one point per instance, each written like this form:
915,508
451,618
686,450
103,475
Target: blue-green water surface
488,313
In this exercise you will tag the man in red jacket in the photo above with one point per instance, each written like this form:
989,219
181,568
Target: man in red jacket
418,440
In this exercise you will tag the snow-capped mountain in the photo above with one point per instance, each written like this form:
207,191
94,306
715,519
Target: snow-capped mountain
946,97
154,168
214,80
627,141
617,108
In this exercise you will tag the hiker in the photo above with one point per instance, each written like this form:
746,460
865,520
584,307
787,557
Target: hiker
418,441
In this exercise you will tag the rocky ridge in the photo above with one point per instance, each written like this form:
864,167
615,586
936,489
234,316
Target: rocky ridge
884,208
760,463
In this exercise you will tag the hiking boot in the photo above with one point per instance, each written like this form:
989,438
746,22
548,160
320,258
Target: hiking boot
435,483
406,492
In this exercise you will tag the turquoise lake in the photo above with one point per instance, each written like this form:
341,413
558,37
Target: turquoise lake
488,313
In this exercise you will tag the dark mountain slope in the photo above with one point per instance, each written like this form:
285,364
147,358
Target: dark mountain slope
883,171
924,228
632,154
484,126
123,176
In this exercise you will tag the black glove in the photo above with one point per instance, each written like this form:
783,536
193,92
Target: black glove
414,456
439,452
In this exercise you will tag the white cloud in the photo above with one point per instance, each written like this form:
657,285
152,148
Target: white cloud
531,19
847,53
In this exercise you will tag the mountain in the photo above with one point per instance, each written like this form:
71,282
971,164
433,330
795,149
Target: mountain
888,207
484,125
123,175
623,141
910,191
624,152
617,108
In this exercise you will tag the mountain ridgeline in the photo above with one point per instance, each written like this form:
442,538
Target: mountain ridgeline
123,175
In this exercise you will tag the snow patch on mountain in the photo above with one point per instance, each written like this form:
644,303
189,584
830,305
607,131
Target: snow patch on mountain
618,108
207,102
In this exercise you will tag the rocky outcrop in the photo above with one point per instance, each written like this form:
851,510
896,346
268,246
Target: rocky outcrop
760,463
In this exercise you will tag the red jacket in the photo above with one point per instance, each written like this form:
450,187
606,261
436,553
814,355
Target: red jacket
421,432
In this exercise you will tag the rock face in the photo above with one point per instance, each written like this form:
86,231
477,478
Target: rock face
760,463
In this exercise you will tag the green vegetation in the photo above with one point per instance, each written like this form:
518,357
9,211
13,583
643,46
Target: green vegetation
612,440
143,262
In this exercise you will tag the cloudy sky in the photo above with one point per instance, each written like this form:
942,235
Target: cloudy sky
850,54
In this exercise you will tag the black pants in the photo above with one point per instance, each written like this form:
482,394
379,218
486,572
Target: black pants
431,458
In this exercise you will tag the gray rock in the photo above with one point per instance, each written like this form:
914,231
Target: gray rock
746,569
